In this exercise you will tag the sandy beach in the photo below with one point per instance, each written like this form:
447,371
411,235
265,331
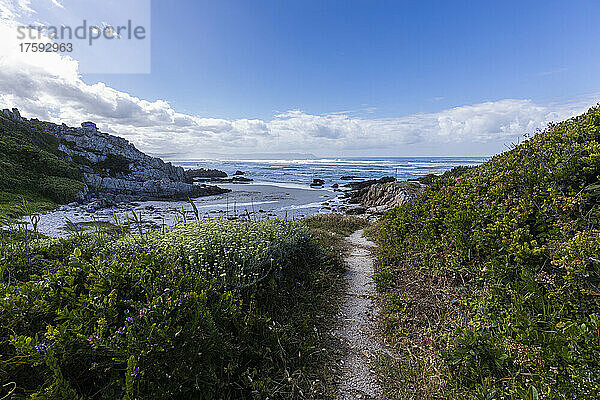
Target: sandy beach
254,201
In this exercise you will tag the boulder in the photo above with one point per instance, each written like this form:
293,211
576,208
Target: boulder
99,204
122,190
317,182
381,197
196,174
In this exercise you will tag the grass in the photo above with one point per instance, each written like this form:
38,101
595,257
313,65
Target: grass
11,203
339,224
330,229
97,227
416,314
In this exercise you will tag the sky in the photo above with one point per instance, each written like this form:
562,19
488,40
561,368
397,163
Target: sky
331,78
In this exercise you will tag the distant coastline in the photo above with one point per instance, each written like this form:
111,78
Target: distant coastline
303,171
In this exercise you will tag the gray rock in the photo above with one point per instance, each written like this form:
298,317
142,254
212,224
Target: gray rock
145,178
317,182
381,197
194,174
14,114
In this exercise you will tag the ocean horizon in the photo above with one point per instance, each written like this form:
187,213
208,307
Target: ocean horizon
303,171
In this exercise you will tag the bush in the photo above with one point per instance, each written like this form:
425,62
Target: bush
212,309
62,190
113,164
31,164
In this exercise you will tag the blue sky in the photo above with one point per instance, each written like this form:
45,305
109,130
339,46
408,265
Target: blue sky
250,59
333,78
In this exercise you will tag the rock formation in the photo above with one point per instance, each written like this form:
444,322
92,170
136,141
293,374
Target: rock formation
379,196
14,114
114,169
192,175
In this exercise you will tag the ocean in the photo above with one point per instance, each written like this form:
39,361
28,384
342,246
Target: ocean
280,189
302,172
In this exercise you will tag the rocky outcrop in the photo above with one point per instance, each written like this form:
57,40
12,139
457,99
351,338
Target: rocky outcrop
14,114
379,196
384,196
192,175
121,190
89,147
365,184
359,189
233,179
114,169
214,176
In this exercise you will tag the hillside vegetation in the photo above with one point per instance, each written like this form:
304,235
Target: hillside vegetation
30,167
490,280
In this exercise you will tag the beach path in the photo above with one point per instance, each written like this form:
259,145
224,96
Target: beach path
356,325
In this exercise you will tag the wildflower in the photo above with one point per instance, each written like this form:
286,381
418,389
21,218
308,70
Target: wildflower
42,347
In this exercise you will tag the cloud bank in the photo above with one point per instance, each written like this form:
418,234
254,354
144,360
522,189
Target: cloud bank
49,86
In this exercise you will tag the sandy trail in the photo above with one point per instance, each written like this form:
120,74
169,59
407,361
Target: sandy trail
356,324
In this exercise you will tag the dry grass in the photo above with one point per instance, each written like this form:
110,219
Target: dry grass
417,308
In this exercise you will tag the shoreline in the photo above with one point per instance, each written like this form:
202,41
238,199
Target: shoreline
256,200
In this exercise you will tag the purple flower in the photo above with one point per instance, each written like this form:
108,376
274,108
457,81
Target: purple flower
41,347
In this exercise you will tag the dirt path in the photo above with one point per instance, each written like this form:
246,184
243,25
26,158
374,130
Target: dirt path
356,324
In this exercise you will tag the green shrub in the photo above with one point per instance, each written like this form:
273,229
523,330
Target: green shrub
338,223
113,164
213,309
31,164
62,190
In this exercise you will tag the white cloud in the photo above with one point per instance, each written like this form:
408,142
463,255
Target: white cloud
48,86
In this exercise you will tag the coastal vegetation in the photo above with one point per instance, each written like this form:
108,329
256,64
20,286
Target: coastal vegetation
31,168
211,309
490,280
